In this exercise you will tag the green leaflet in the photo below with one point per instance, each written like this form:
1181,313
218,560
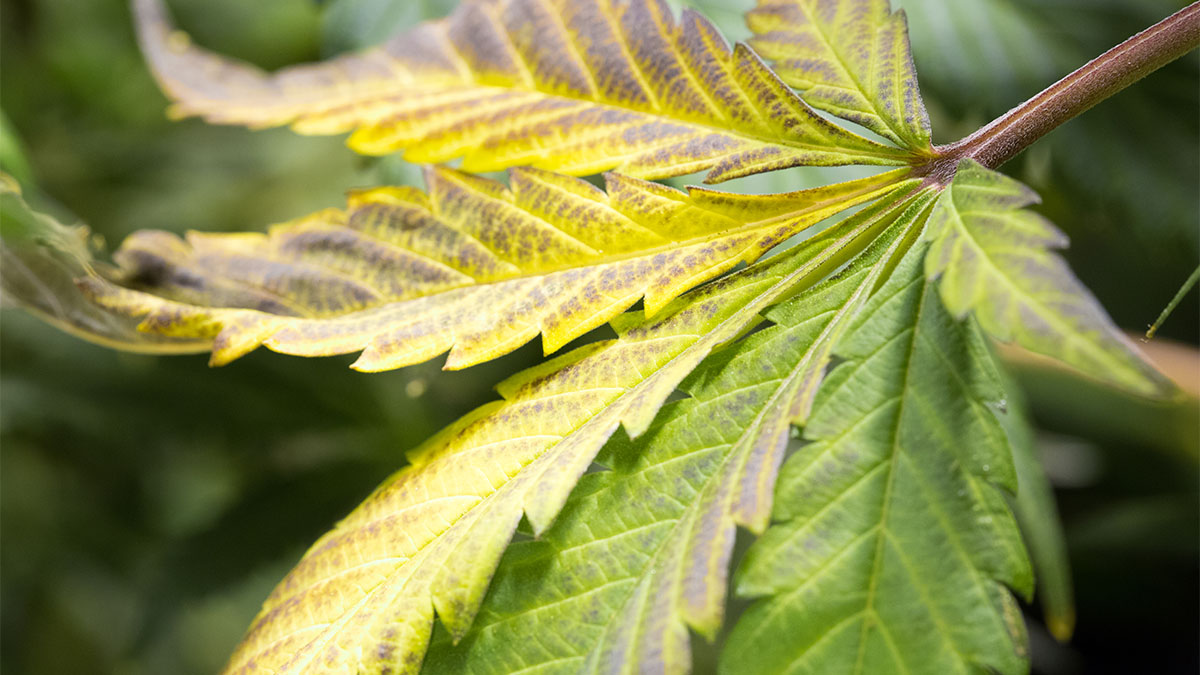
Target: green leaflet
850,58
40,259
575,86
1037,515
364,596
893,542
996,259
640,554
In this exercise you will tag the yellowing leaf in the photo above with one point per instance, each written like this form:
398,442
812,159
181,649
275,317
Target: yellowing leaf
997,260
892,541
684,585
364,596
40,259
471,266
640,553
850,58
577,86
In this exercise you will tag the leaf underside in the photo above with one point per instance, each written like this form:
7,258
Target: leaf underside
850,58
429,539
575,86
469,266
893,540
996,259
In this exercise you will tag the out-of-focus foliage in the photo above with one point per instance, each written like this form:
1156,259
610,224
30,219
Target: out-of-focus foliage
149,504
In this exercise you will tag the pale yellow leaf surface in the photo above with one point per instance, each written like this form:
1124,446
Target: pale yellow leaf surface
470,266
575,86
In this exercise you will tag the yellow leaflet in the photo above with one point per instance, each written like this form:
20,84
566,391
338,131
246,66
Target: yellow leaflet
470,266
576,86
850,58
40,259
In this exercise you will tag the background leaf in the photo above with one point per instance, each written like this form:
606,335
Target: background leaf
893,541
350,25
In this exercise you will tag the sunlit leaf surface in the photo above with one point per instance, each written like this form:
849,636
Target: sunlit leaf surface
848,57
470,266
576,86
997,259
893,541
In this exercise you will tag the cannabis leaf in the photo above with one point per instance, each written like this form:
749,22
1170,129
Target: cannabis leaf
40,259
893,539
577,86
641,552
1109,159
471,266
997,259
430,537
850,58
891,542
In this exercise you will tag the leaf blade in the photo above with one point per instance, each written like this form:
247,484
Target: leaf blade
658,534
520,456
578,87
1036,511
890,544
996,259
850,58
470,266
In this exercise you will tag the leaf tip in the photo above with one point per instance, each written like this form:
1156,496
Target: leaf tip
1062,625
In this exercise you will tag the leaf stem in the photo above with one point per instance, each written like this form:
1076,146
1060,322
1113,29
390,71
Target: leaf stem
1100,78
1183,291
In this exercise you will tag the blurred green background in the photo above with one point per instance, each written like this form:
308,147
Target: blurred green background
148,504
